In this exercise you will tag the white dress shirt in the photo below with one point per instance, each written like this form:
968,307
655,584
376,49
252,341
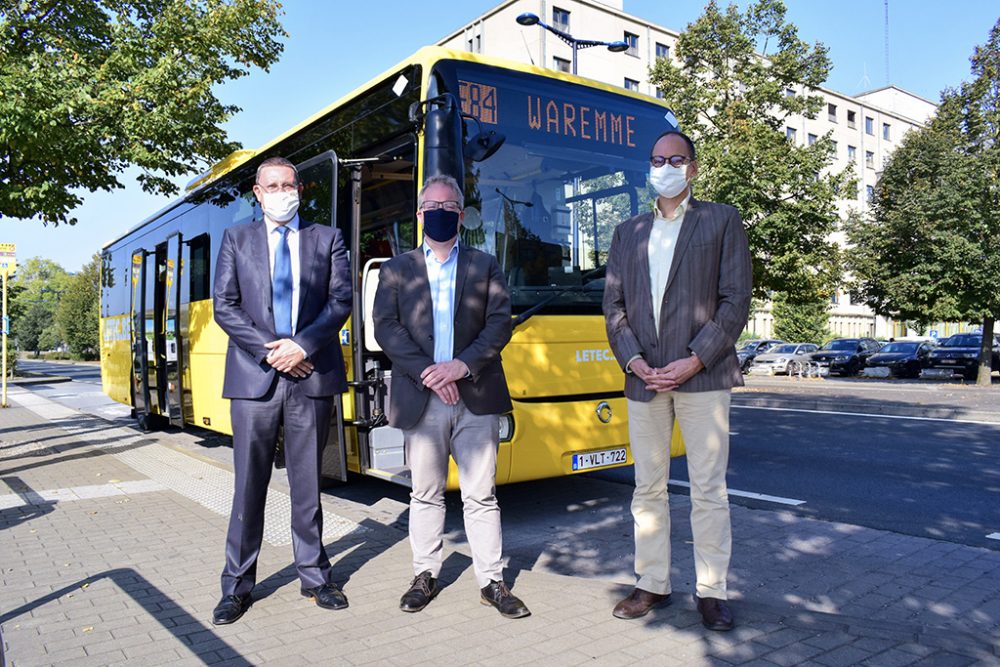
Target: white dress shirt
293,247
662,242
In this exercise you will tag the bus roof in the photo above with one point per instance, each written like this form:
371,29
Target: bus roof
426,56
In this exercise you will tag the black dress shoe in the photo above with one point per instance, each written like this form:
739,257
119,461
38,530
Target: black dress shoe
497,594
638,604
230,608
715,614
327,596
422,591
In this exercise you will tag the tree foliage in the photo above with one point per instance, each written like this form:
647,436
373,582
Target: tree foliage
735,104
78,315
34,295
801,322
930,251
90,87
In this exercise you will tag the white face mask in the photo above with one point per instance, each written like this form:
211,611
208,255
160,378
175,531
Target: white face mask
668,181
280,206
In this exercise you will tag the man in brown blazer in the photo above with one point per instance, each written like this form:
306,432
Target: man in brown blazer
676,298
442,315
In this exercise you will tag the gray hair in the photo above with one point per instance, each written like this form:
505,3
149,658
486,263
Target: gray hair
441,180
276,161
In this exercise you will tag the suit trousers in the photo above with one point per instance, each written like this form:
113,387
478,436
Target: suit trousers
306,423
703,417
472,440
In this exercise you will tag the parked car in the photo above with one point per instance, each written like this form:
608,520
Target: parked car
845,356
784,358
751,348
960,354
905,359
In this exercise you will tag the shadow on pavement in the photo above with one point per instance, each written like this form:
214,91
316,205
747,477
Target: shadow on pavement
167,613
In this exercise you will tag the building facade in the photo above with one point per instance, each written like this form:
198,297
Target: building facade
866,128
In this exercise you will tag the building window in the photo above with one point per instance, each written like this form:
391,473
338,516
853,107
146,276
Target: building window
631,84
662,51
660,95
789,92
475,44
852,152
633,44
869,193
851,116
833,144
869,125
870,159
811,138
835,298
886,132
790,134
560,19
561,64
831,112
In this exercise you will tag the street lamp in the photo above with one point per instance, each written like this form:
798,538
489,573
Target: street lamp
532,19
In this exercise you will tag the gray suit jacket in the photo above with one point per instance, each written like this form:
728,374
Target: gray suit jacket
705,305
404,327
242,303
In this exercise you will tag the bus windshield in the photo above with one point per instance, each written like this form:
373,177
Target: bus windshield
573,166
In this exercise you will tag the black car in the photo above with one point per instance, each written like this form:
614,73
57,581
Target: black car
903,359
751,348
845,356
960,354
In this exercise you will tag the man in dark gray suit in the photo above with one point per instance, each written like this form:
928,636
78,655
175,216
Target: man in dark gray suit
282,293
676,298
442,315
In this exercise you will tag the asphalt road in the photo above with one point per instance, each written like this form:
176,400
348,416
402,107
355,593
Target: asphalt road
917,474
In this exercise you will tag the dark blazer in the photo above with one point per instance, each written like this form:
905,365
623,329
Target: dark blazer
242,301
404,327
705,305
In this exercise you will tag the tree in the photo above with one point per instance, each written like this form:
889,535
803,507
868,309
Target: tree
929,252
801,322
89,87
734,102
34,294
78,315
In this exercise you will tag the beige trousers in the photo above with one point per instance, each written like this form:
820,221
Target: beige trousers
704,422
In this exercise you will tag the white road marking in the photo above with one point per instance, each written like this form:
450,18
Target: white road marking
750,494
51,496
866,414
993,536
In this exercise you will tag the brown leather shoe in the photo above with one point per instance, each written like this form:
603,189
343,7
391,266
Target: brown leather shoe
638,604
715,614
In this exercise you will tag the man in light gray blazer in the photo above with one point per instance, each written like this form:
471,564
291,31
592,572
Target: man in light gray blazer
677,296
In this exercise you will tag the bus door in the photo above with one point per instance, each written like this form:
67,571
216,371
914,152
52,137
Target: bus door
318,205
169,376
146,396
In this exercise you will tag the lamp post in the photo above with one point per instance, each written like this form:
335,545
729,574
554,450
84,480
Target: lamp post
532,19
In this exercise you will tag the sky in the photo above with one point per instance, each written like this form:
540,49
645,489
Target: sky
334,47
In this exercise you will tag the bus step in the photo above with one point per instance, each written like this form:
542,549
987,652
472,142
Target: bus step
399,475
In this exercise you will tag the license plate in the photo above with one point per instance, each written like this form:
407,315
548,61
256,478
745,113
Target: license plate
600,459
936,373
876,372
949,361
824,370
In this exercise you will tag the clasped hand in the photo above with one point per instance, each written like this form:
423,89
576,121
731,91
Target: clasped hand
668,377
285,356
440,378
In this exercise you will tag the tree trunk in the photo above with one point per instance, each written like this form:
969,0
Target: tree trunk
984,377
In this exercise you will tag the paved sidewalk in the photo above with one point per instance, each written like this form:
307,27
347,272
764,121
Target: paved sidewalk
111,543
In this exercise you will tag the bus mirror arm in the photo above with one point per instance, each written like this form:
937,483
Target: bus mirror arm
482,145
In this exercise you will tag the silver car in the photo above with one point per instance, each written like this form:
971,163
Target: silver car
784,358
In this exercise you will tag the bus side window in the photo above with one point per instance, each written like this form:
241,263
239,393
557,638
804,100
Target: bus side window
200,268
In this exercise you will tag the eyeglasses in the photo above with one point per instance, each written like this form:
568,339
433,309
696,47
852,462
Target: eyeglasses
276,187
431,205
674,160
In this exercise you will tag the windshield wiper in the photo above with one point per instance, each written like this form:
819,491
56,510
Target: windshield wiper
522,317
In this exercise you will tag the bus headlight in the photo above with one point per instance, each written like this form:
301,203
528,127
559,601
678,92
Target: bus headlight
506,428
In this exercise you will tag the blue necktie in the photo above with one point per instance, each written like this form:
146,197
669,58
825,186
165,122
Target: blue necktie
281,286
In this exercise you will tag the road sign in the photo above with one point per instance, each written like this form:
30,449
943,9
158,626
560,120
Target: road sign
933,333
8,261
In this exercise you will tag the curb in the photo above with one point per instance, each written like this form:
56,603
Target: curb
840,405
34,378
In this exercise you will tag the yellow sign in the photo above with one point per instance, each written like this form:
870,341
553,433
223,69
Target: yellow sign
8,262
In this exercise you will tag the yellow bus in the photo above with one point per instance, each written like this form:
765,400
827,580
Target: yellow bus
549,162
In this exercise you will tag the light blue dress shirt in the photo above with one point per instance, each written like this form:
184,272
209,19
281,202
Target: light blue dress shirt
441,276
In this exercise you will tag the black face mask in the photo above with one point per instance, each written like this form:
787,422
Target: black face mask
440,224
